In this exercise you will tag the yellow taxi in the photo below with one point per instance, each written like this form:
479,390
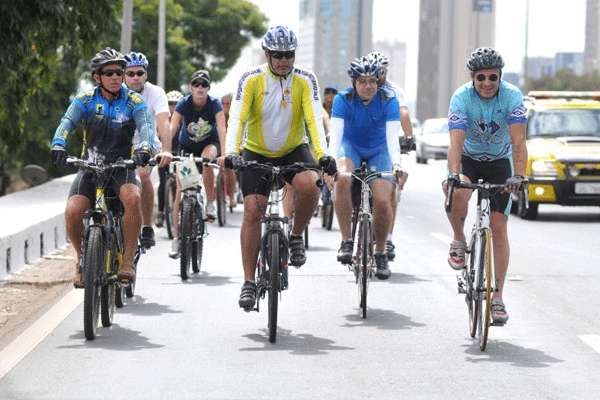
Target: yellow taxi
563,142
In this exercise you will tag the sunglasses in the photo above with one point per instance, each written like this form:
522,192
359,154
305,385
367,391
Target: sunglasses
200,83
111,72
131,74
278,55
483,77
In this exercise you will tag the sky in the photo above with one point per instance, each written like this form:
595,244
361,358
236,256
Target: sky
554,26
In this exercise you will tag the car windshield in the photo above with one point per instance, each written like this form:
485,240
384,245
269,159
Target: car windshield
554,123
436,126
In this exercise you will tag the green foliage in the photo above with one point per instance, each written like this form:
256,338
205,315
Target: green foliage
567,80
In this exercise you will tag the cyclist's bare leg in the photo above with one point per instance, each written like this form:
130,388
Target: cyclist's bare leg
460,208
394,208
382,211
147,194
208,174
343,197
498,222
130,196
230,186
288,200
254,208
306,198
77,205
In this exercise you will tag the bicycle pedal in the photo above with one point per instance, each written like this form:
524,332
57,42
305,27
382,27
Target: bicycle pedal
460,283
498,324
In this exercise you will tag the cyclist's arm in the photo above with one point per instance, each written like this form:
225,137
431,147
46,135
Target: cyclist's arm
313,116
392,131
405,121
336,127
145,129
457,140
238,114
518,137
162,123
69,121
221,130
174,125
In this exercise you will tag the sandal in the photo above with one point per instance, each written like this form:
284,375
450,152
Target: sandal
499,314
456,255
126,273
297,251
77,281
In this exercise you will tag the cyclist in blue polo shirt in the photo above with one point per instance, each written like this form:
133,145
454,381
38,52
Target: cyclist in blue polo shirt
487,141
365,125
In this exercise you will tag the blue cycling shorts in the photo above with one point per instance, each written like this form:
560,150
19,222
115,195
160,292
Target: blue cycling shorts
377,159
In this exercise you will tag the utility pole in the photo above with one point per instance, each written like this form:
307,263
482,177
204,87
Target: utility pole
161,43
126,26
526,45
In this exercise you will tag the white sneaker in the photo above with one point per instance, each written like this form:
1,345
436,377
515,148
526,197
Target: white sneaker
211,211
175,248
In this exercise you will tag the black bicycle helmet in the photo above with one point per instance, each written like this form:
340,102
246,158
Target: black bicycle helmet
107,56
484,58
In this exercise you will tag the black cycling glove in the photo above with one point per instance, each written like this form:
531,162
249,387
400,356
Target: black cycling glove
141,157
328,164
234,161
58,155
407,143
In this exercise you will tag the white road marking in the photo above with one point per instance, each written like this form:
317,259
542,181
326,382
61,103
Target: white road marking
441,237
591,340
32,336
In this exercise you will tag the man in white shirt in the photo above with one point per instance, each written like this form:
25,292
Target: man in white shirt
136,76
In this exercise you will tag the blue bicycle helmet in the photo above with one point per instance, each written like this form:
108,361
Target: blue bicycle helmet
136,60
279,38
364,66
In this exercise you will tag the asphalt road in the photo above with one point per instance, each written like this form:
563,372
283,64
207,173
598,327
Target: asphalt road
191,341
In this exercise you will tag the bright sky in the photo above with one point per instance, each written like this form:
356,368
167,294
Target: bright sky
554,26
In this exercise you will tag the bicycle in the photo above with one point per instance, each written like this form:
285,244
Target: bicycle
170,189
477,280
363,262
271,268
327,210
221,199
102,247
192,218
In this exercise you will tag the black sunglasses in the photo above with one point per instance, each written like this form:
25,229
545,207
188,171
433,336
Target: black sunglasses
111,72
131,74
491,78
200,83
283,54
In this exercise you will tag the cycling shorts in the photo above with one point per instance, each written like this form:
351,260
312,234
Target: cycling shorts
377,159
496,172
84,183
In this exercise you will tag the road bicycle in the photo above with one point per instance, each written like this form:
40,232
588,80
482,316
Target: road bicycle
477,280
170,189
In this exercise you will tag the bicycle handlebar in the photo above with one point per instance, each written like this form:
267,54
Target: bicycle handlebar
203,160
99,167
491,188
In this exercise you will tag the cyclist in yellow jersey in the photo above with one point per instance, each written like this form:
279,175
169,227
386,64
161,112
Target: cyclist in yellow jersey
276,106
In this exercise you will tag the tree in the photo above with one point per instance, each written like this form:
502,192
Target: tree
567,80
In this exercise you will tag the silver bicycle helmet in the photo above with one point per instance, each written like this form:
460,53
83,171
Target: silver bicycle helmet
279,38
484,58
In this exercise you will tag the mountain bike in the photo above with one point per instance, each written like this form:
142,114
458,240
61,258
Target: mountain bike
102,246
363,262
170,189
272,263
221,199
477,280
192,217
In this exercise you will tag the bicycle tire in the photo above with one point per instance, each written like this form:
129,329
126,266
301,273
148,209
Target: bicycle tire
119,296
306,237
329,216
170,191
107,303
471,294
487,292
274,260
185,235
363,279
198,248
93,263
221,205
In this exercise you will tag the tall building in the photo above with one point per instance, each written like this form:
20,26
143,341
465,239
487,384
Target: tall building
538,67
570,61
448,32
591,54
396,52
331,34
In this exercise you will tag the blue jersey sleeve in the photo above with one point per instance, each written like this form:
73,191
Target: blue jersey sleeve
69,121
392,110
457,113
144,124
517,112
338,107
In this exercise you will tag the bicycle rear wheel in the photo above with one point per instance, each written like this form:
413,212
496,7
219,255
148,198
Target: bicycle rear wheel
221,204
94,261
198,246
486,293
170,191
363,256
185,236
274,268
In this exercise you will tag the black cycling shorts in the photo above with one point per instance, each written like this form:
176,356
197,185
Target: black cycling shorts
84,183
497,172
254,181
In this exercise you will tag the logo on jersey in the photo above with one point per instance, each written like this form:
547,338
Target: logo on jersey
199,131
487,132
99,108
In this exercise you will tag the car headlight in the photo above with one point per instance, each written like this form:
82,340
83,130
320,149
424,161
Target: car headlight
544,168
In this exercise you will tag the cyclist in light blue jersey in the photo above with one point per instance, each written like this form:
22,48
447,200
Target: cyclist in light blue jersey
487,141
365,125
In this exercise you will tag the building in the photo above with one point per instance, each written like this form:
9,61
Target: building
331,34
448,32
538,67
569,61
591,54
512,77
396,52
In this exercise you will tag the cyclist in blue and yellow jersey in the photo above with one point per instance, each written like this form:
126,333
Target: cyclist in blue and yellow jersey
117,123
365,125
275,107
487,140
393,90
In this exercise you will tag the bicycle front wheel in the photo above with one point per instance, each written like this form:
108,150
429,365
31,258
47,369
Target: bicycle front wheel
221,205
363,256
274,268
185,236
170,191
94,260
472,295
486,292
